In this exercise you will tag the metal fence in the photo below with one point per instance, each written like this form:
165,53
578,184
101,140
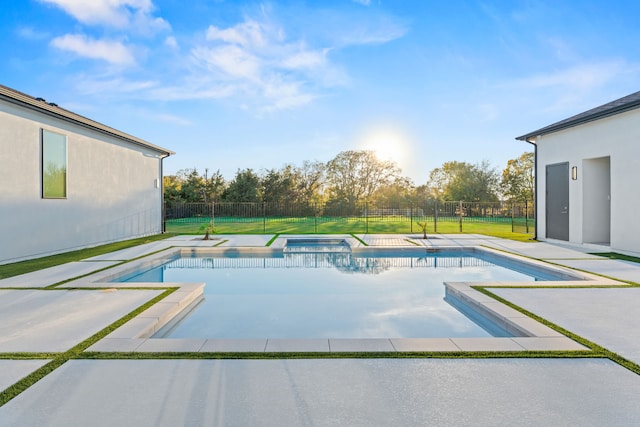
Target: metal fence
368,217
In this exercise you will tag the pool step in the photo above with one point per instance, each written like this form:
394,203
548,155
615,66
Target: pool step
151,320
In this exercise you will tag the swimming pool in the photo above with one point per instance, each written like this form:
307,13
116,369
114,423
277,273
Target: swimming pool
367,294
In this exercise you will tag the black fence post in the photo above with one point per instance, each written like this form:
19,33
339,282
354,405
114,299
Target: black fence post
435,217
213,214
366,216
411,218
264,219
526,215
164,218
513,216
460,214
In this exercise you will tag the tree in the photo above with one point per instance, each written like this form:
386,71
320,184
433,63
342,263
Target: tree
518,178
486,183
464,181
243,188
172,188
395,193
191,185
421,194
354,176
311,179
280,186
214,187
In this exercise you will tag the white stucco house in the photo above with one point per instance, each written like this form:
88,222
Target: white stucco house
68,182
588,177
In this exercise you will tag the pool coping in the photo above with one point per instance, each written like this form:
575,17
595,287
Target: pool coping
136,334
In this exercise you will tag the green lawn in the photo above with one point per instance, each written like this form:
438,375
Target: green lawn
272,226
323,225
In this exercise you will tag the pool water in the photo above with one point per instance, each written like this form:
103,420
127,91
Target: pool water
333,295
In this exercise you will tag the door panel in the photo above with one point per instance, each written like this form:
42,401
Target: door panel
557,201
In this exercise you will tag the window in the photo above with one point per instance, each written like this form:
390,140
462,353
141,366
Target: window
54,165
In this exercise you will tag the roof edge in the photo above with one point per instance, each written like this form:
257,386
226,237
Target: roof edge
40,105
582,118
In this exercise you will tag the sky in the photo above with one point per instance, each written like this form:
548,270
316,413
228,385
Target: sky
230,85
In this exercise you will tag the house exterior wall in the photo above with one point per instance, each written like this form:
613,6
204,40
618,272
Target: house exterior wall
112,188
617,138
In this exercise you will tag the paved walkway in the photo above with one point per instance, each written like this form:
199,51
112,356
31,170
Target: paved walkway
298,392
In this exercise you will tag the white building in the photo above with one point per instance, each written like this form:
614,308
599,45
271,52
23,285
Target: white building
68,182
588,177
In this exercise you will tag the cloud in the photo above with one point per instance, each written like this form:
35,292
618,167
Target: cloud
306,59
580,76
363,2
192,89
181,121
135,14
260,62
247,34
30,33
230,61
92,84
257,62
285,95
358,29
111,51
171,42
565,91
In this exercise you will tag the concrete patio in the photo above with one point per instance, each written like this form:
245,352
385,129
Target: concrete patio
347,391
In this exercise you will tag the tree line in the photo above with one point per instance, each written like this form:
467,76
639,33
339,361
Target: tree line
353,177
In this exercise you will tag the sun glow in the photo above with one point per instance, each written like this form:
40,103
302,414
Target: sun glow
388,145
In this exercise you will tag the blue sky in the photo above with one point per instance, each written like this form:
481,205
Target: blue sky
243,84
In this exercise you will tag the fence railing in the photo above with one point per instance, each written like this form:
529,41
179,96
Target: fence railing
367,217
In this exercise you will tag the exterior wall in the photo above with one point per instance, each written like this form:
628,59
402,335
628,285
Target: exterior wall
616,137
112,188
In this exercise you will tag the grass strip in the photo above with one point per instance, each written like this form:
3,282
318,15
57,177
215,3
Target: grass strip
27,356
75,351
273,239
359,240
56,285
547,261
617,256
340,355
604,276
22,267
29,380
598,350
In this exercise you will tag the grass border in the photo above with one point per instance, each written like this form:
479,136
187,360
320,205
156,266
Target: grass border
362,242
598,350
462,354
556,264
60,358
79,350
273,239
30,265
617,256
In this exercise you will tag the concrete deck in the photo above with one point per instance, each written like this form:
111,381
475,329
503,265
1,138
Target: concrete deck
319,391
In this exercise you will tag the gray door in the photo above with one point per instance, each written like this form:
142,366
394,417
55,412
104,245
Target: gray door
557,201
